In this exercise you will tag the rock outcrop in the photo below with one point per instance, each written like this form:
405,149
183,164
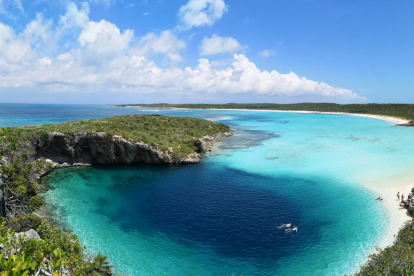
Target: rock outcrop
2,197
30,234
82,148
409,203
409,124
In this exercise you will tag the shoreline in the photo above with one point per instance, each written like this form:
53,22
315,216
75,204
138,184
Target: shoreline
390,119
396,217
386,188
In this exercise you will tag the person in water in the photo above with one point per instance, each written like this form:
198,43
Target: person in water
287,225
293,229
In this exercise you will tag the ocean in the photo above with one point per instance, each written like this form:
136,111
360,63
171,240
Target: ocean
223,215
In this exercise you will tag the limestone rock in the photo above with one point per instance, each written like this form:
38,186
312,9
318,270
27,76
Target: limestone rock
30,234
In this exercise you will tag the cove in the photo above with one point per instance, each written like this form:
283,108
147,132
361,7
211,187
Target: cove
221,217
208,220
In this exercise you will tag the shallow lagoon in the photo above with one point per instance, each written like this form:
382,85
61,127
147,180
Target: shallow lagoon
221,217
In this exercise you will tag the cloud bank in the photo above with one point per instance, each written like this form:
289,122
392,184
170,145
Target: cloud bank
102,58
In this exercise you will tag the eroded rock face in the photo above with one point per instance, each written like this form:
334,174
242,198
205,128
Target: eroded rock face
99,148
2,198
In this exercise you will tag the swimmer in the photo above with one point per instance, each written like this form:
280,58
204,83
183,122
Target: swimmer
285,225
293,229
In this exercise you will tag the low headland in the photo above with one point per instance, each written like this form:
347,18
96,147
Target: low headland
27,153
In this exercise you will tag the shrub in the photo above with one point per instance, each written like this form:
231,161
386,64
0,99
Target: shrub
35,202
198,145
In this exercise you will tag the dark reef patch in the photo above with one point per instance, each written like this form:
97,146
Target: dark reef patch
247,139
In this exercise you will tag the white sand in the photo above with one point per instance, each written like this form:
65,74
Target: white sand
388,189
384,118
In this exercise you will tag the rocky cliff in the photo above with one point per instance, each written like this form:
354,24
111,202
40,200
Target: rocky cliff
82,148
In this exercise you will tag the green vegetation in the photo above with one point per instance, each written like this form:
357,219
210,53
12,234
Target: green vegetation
56,252
404,111
59,250
394,260
178,135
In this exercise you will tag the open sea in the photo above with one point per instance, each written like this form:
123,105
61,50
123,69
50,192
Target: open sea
222,216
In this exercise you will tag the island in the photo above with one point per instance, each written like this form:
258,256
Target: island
27,153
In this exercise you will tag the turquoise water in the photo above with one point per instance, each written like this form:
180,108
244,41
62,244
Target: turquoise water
221,217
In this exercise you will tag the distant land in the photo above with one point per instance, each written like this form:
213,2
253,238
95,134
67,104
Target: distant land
404,111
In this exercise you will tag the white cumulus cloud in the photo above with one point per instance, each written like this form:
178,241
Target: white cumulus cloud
166,43
74,17
103,40
217,44
105,59
201,13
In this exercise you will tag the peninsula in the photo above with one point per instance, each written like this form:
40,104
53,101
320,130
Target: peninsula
27,153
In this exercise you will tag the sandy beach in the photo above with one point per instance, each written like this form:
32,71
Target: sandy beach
379,117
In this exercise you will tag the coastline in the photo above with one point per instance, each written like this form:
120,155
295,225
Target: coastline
390,119
386,188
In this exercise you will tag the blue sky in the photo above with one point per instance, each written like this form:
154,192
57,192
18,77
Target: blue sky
214,51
